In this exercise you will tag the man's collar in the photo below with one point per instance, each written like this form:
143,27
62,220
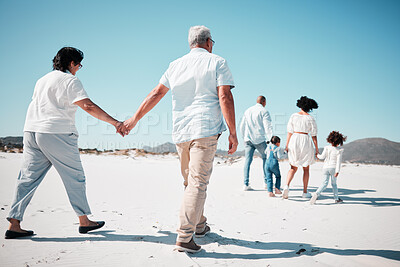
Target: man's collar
198,50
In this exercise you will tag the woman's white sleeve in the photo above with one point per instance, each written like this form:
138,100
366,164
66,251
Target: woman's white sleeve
314,129
290,128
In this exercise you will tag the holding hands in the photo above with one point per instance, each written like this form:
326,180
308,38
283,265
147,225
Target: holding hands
129,124
94,110
120,128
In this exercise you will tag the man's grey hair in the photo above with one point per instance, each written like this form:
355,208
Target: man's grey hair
198,35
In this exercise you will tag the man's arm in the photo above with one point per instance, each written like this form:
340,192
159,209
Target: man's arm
94,110
268,125
148,104
228,111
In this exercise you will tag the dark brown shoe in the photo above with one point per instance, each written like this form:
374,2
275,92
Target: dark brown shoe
203,234
187,247
12,234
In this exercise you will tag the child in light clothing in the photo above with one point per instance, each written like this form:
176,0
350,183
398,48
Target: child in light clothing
274,152
333,159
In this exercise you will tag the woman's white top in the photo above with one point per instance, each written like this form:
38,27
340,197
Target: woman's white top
301,148
332,156
52,109
302,123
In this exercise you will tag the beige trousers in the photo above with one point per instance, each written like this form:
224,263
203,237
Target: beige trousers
196,159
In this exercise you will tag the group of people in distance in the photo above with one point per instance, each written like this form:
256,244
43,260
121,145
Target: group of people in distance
301,148
200,83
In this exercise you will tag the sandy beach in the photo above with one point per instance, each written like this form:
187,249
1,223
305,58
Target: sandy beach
139,198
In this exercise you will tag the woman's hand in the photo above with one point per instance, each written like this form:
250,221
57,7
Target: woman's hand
336,174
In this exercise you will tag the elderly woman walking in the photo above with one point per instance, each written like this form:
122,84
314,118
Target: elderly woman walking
302,134
51,139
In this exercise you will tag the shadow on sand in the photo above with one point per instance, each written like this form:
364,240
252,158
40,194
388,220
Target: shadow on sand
346,195
268,250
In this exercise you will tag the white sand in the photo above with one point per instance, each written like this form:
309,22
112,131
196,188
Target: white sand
140,198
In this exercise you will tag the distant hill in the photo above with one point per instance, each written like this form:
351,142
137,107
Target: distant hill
11,140
372,151
164,148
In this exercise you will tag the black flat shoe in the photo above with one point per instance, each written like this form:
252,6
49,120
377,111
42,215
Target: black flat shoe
12,234
85,229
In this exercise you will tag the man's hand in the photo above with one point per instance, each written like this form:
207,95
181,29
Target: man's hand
120,128
233,143
148,104
336,174
228,111
129,125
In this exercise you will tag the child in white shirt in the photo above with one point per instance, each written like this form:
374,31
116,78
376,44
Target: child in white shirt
333,159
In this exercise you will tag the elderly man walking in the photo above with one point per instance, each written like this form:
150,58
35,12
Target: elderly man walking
255,127
200,84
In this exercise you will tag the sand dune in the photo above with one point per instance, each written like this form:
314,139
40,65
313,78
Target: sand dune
139,198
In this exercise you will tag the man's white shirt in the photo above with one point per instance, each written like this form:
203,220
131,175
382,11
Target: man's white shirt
193,80
256,125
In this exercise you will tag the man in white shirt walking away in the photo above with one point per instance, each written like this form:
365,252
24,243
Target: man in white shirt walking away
256,128
200,83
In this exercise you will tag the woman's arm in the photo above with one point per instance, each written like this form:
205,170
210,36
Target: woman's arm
314,138
94,110
289,135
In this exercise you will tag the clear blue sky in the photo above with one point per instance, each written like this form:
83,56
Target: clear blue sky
345,54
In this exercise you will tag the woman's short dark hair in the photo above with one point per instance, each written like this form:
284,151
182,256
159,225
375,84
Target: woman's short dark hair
336,138
307,104
275,140
65,56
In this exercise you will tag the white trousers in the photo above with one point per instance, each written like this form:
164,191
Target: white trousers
41,151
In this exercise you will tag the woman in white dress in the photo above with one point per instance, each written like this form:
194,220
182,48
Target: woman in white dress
301,145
